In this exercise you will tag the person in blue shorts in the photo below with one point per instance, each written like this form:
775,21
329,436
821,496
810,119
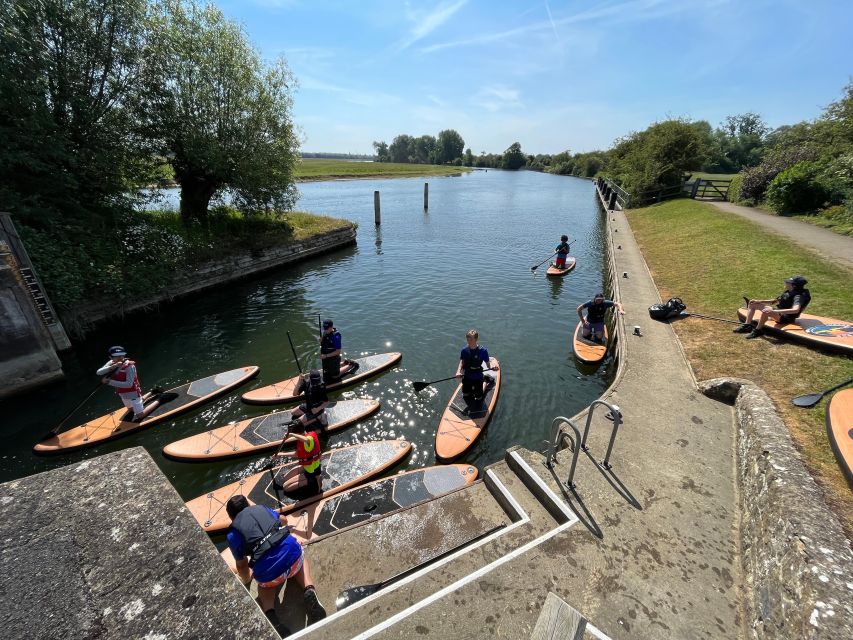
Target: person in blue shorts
264,550
593,324
470,369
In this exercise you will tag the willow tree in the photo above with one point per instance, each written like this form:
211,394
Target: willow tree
223,116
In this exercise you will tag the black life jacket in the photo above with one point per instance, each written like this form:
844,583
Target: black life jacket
473,359
326,344
786,300
595,312
260,529
315,394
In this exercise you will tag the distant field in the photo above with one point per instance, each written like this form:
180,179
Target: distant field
322,169
713,176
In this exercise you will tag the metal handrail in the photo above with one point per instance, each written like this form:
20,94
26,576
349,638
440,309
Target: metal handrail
616,413
557,437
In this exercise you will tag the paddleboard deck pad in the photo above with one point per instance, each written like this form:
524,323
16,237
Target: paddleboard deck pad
839,427
264,432
285,391
571,263
171,403
464,420
817,331
372,501
587,350
343,468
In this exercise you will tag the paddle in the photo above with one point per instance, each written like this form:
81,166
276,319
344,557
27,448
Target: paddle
354,594
699,315
812,399
295,357
535,267
420,386
58,427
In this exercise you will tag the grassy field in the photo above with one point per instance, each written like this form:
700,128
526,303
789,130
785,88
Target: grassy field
322,169
712,176
710,259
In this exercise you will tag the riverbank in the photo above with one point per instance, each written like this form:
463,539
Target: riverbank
316,169
711,277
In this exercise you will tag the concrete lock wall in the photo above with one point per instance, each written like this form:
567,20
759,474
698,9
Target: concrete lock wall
27,355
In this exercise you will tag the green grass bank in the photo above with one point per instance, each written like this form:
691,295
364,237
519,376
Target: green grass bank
313,169
710,259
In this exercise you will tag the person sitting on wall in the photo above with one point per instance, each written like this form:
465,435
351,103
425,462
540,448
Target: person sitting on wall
789,305
264,550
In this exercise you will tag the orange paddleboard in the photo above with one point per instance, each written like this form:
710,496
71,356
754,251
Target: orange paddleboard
585,349
571,262
285,391
839,426
170,403
817,331
262,433
462,423
343,468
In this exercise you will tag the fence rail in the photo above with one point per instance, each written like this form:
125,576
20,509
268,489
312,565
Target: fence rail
702,189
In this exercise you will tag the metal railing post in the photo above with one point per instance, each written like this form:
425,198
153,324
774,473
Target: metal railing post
557,436
617,420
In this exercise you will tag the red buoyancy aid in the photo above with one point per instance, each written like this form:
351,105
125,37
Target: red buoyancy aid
121,376
309,459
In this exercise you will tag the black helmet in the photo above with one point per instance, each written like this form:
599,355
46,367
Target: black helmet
797,281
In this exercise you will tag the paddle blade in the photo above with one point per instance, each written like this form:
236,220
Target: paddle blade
420,386
354,594
809,400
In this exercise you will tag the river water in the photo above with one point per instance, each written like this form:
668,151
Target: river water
416,285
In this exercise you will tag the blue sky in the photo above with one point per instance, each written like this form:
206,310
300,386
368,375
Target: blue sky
551,75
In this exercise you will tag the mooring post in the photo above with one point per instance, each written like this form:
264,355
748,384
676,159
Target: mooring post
612,203
376,215
426,195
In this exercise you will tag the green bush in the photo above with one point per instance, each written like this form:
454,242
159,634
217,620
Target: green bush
799,189
734,189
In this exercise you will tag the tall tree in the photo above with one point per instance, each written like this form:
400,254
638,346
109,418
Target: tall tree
450,146
381,149
402,148
424,149
223,116
514,157
68,81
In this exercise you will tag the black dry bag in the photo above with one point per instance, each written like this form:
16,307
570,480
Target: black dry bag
666,310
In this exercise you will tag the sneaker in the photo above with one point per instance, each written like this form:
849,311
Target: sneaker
277,624
756,333
744,328
313,608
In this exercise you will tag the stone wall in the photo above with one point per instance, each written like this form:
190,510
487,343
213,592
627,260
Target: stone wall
796,559
220,272
106,549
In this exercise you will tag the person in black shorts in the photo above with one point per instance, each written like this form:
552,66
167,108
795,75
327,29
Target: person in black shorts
789,305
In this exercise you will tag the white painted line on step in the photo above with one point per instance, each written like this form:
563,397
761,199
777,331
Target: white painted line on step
571,516
598,633
519,510
497,534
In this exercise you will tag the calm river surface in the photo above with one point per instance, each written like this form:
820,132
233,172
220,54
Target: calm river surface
415,285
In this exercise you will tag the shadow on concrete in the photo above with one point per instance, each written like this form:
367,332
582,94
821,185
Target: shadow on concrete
574,501
615,482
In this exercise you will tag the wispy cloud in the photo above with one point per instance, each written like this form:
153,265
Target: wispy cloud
426,24
497,97
622,12
353,96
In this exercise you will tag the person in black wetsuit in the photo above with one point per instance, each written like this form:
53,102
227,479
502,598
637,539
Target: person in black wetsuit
470,369
312,411
789,305
330,354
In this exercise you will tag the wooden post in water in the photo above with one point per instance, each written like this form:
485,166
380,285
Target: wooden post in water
377,216
426,196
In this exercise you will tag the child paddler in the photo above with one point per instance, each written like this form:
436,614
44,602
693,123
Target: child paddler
313,410
307,480
562,251
264,550
470,369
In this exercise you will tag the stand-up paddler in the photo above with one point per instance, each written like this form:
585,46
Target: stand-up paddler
120,373
330,354
470,369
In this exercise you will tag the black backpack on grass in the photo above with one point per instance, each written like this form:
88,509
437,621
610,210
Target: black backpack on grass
667,310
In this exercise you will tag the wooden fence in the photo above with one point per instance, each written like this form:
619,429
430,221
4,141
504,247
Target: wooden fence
698,189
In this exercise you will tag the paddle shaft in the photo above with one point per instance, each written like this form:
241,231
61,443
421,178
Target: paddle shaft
423,385
295,357
699,315
369,589
56,429
535,267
